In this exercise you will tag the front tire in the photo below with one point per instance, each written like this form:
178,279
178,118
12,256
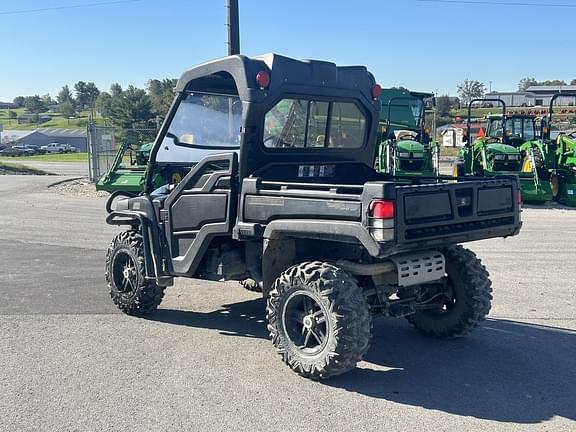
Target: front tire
319,320
465,297
126,277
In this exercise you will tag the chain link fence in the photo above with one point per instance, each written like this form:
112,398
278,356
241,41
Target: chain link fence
104,142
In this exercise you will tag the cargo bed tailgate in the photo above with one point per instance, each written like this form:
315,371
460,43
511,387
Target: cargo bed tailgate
463,211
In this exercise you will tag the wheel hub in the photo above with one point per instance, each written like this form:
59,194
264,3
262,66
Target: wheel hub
127,273
309,322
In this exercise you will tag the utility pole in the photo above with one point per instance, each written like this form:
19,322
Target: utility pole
233,28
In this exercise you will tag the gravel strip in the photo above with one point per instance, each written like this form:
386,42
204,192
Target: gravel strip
78,187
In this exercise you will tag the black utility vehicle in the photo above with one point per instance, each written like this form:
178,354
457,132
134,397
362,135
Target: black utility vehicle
269,175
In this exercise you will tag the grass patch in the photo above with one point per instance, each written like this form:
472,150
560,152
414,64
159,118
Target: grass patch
64,157
12,168
58,120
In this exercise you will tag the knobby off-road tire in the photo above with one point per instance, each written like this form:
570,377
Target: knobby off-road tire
125,275
318,320
469,289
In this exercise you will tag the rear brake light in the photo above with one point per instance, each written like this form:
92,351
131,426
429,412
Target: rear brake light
519,197
382,209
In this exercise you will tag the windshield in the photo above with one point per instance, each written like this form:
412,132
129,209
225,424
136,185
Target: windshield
407,112
494,128
300,123
520,128
207,120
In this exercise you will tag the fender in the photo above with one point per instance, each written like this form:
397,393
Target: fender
150,236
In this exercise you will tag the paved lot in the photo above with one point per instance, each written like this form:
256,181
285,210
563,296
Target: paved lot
71,362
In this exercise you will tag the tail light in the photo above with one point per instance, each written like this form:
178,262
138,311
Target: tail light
382,209
381,220
263,79
519,197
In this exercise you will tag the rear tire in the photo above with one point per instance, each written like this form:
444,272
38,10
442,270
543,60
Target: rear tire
318,319
466,301
125,275
556,186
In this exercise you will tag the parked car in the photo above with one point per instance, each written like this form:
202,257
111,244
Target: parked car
70,149
35,148
55,148
12,151
27,150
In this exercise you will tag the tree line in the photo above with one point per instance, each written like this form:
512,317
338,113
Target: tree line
127,108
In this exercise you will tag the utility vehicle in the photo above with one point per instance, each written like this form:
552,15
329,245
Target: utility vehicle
563,170
406,148
499,152
276,157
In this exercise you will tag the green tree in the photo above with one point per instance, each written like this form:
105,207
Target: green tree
443,105
35,104
573,82
526,82
65,95
19,101
67,109
86,94
48,99
104,104
115,90
471,89
161,94
132,109
553,83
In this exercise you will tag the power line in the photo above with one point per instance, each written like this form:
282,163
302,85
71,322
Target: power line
500,3
77,6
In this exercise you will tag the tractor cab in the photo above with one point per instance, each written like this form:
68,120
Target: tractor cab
515,129
491,154
405,146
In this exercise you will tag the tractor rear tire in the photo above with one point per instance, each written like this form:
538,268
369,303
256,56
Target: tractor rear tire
466,301
126,277
319,320
556,186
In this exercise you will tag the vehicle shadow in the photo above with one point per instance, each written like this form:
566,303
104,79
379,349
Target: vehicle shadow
505,371
245,319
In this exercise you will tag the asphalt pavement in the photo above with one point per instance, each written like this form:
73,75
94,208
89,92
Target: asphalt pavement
72,362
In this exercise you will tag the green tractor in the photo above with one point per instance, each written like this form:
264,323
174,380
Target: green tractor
406,148
522,131
504,150
125,178
126,174
563,174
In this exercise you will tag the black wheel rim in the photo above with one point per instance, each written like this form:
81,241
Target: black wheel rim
305,322
441,298
124,273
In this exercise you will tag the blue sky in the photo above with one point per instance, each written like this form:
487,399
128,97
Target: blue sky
427,46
